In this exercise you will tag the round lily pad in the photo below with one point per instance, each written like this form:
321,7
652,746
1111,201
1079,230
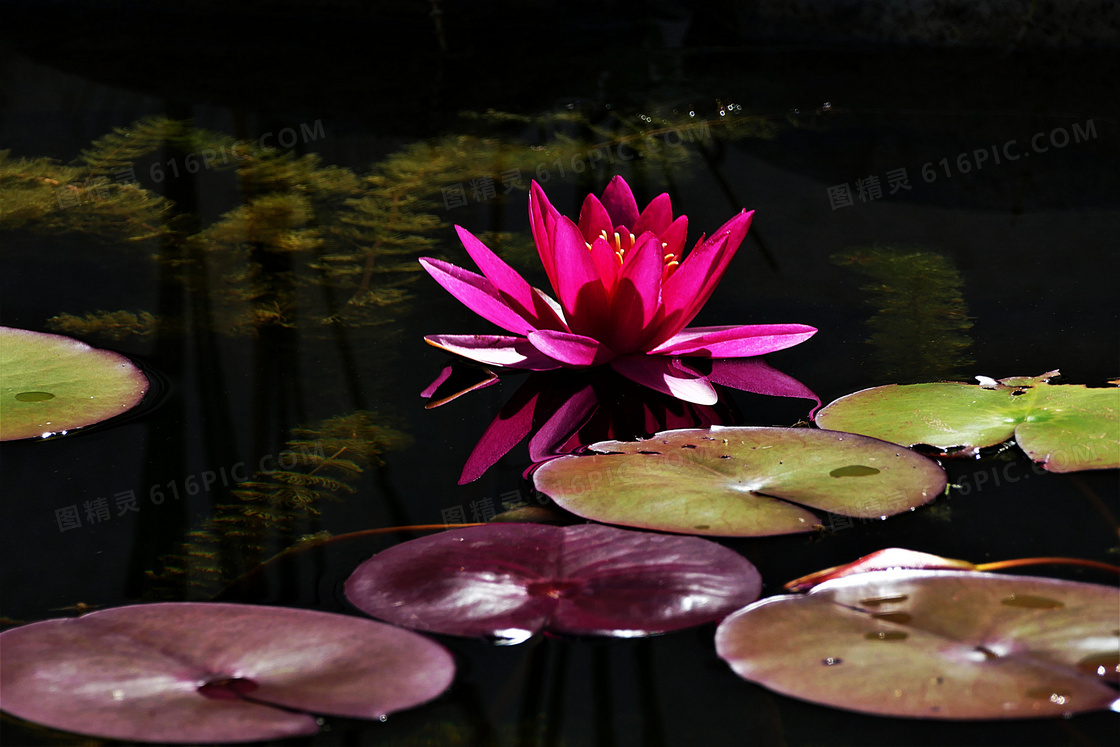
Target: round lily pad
1064,427
934,644
197,672
509,581
51,384
740,481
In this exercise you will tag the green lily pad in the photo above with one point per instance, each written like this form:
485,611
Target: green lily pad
51,384
1064,427
740,482
934,644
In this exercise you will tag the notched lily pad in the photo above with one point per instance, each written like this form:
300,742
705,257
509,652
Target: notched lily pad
740,481
51,383
510,581
197,672
1065,427
934,644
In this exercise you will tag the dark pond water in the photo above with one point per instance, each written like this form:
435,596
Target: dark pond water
274,319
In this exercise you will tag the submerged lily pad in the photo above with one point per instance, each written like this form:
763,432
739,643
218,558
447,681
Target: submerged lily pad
52,383
196,672
509,581
934,644
739,482
1065,427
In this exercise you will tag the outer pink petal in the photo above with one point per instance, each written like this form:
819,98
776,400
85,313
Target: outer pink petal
619,202
656,217
637,296
666,375
513,287
580,291
478,294
495,350
571,349
735,342
542,219
594,219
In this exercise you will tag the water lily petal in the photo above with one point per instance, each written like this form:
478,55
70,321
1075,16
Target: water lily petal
665,375
637,296
674,236
495,350
756,375
594,219
571,349
514,288
580,291
619,202
656,217
478,294
689,287
606,262
735,342
542,221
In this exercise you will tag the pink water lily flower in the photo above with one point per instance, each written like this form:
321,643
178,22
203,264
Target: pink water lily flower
626,292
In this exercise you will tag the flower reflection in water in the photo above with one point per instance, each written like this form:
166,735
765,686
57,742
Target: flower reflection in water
563,411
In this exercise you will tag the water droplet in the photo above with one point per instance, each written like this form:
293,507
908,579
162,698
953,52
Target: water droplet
34,396
831,661
1055,695
1105,664
886,635
1031,602
382,718
511,636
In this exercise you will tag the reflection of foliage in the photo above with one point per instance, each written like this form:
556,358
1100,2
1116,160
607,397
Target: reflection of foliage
111,325
45,196
274,507
304,225
919,332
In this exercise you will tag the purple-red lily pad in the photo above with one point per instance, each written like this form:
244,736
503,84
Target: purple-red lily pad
740,481
51,384
1064,427
935,644
197,672
510,581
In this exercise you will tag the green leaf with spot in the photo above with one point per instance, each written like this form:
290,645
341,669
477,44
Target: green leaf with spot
740,482
934,644
52,383
1064,427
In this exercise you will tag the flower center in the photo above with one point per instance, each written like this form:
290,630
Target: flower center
623,242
